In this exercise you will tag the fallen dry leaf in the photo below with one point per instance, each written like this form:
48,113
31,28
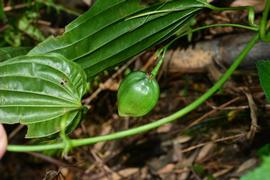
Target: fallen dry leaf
258,4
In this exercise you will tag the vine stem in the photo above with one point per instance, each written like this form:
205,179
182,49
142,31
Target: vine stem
150,126
161,56
264,35
250,9
252,28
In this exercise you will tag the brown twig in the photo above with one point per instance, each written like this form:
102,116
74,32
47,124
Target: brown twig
18,6
266,106
51,160
107,83
215,141
151,61
215,110
15,131
107,171
253,115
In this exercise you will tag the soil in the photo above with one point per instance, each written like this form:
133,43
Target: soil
219,140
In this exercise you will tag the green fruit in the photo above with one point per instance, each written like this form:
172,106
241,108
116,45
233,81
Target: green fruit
137,95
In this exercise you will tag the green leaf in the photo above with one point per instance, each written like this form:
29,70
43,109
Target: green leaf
38,130
27,25
10,52
107,34
260,173
97,8
87,25
264,75
39,91
264,150
2,13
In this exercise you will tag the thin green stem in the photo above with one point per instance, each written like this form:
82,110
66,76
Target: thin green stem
33,148
250,9
264,35
155,124
252,28
164,11
161,56
65,139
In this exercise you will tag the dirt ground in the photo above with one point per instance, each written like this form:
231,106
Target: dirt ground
218,140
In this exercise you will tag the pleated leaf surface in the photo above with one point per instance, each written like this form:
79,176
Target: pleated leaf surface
108,33
40,91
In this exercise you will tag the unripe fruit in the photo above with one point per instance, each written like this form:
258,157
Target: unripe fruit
137,95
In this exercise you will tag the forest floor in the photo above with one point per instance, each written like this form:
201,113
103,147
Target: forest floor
219,140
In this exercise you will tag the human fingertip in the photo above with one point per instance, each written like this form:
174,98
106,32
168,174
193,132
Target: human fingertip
3,141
